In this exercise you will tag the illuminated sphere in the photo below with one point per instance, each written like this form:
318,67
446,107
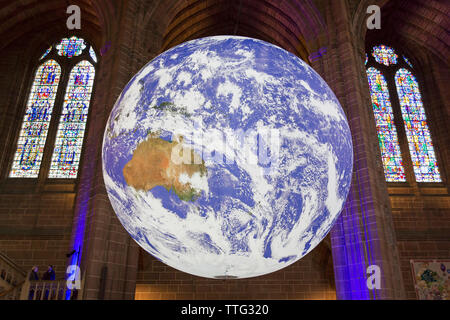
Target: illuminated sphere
227,157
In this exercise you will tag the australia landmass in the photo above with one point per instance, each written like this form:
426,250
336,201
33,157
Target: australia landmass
151,166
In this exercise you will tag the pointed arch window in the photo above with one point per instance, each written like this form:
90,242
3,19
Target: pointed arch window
35,124
66,64
385,63
72,123
416,128
387,133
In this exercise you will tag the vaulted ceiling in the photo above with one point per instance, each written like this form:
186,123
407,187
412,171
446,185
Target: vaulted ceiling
35,18
292,24
416,24
288,23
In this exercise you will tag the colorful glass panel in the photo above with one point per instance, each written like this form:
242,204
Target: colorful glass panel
385,55
92,54
407,61
72,47
33,134
387,133
46,53
416,127
72,124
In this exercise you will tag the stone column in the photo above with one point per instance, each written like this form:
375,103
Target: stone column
108,255
364,233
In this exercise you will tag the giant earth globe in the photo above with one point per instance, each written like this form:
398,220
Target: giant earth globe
227,157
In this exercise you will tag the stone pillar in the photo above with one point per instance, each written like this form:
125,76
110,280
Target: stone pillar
364,233
434,84
108,256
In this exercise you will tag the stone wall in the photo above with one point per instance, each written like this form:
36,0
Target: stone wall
309,278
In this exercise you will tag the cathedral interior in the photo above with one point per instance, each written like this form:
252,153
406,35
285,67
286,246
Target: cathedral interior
397,214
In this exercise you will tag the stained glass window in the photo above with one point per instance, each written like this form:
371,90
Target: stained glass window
385,55
367,59
72,125
46,53
417,132
387,133
407,61
72,47
33,134
92,54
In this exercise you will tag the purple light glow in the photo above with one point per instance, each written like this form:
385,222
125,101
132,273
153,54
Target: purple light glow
353,246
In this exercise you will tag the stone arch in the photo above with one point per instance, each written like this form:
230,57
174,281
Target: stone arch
410,24
292,24
20,19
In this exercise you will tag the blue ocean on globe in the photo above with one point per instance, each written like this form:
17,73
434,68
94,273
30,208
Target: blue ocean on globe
227,157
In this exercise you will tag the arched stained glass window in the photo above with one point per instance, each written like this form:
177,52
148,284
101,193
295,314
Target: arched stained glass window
72,125
417,132
410,107
32,137
64,133
387,133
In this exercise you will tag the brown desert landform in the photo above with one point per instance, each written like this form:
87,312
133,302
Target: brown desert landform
152,166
